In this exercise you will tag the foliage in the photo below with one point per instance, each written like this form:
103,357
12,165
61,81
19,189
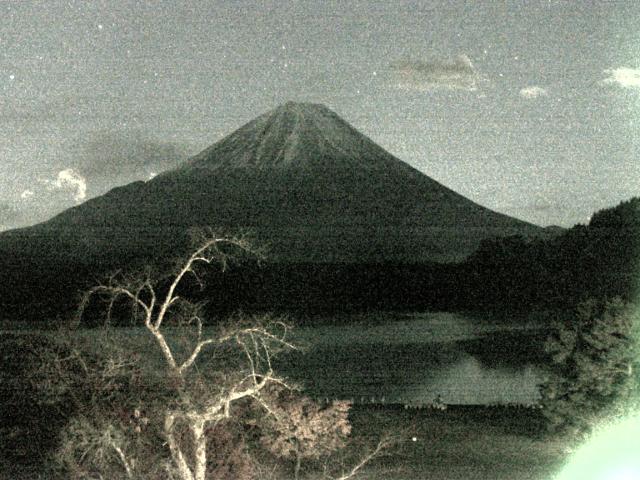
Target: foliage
300,428
594,366
20,415
111,407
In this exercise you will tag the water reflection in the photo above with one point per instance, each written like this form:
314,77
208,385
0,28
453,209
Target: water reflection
470,382
500,367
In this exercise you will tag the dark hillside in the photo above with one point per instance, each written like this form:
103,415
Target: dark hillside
599,260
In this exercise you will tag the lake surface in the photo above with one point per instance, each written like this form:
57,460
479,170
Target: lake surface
410,359
420,359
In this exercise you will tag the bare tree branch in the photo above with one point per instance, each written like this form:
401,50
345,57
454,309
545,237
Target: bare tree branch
384,444
176,452
123,459
194,355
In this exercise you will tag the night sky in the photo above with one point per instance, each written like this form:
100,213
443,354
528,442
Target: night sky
529,108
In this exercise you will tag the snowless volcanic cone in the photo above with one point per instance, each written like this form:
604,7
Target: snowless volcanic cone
304,181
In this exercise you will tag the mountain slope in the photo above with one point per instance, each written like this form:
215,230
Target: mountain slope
304,181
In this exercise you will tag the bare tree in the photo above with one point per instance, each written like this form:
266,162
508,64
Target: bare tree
197,411
165,404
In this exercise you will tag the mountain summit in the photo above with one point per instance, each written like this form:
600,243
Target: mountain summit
303,180
295,135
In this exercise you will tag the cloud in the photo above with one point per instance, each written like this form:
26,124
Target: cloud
623,76
533,92
540,206
108,159
43,198
87,167
456,74
68,180
72,180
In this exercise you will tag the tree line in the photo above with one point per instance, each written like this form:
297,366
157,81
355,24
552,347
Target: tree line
598,260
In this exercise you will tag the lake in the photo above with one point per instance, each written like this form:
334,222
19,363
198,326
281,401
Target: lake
410,359
419,359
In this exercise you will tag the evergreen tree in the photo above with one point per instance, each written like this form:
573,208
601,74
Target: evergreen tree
594,366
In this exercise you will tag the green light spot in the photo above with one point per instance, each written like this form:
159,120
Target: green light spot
613,453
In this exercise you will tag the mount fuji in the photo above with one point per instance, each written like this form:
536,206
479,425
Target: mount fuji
305,182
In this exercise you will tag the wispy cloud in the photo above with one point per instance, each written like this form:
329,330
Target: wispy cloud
623,76
533,92
42,199
107,159
456,74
